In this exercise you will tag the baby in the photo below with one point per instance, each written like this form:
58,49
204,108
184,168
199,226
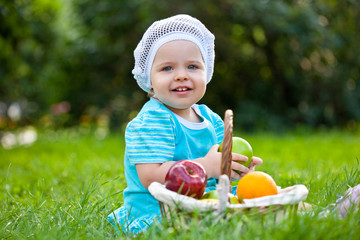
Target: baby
174,61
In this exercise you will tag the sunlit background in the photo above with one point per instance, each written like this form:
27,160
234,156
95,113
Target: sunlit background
279,64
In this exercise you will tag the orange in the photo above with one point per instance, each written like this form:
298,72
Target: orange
256,184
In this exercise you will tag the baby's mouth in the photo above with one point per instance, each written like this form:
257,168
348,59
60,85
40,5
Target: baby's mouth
181,89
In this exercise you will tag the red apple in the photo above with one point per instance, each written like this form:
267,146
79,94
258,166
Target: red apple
187,178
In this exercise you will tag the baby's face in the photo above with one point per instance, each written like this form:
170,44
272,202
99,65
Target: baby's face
178,75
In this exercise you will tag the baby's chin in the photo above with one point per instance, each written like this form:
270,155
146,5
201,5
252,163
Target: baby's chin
174,106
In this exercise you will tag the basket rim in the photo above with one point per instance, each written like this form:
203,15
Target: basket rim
287,196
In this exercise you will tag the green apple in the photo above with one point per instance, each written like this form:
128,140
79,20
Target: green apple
210,195
214,195
241,146
233,199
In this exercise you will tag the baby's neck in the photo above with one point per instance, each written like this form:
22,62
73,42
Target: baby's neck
188,114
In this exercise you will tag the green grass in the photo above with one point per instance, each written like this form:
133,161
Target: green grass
64,185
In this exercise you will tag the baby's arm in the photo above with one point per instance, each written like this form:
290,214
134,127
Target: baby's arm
152,172
156,172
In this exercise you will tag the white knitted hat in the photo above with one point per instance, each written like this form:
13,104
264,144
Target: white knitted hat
179,27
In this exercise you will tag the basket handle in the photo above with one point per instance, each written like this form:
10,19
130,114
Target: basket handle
226,157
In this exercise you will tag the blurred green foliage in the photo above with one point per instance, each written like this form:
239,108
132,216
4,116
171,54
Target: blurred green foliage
278,63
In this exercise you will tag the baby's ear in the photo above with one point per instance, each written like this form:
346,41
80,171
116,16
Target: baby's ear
151,92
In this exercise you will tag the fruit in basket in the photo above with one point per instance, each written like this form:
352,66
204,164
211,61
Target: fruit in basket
210,195
187,178
256,184
214,195
241,146
233,199
211,200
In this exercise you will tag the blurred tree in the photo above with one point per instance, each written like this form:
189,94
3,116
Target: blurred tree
285,62
26,40
278,63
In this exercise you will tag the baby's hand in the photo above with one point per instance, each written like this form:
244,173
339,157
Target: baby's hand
211,162
255,161
238,169
242,169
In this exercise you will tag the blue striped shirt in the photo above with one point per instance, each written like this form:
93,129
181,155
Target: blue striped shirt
157,135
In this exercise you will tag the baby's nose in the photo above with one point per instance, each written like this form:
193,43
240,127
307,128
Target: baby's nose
181,75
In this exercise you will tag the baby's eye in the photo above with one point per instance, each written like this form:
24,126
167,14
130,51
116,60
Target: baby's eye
192,67
168,68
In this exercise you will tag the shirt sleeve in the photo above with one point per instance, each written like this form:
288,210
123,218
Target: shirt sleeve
150,138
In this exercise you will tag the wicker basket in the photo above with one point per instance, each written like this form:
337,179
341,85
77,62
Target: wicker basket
290,196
